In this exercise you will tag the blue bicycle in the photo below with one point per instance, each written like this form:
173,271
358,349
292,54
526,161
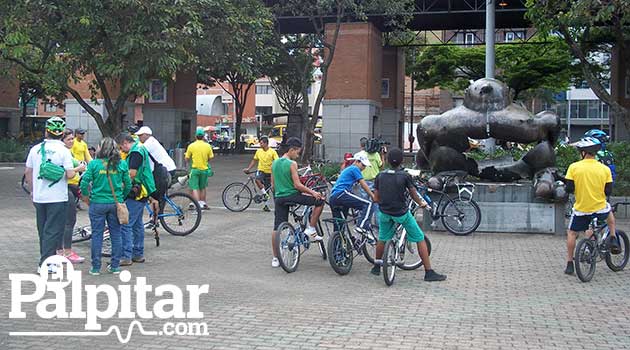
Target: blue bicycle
291,241
179,214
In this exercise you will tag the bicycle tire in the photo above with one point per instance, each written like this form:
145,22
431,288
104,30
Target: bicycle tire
414,251
320,244
369,251
390,262
340,254
241,193
458,205
625,253
81,234
184,213
287,248
586,251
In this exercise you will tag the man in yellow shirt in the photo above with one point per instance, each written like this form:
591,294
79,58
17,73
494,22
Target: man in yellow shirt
200,152
264,156
79,149
592,182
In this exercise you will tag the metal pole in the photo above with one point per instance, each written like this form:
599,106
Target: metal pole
490,38
413,93
569,114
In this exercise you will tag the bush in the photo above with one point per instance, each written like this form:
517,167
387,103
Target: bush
12,151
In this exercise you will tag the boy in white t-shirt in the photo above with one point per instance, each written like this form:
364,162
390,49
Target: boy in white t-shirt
50,197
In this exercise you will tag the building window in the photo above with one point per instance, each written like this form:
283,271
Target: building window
514,35
385,88
469,39
509,37
264,90
48,107
157,91
264,110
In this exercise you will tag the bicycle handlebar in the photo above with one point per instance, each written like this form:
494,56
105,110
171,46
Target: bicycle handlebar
614,207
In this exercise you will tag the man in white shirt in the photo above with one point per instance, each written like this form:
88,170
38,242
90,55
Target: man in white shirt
50,197
145,134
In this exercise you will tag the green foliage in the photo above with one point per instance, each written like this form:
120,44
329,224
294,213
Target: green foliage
527,69
565,155
12,151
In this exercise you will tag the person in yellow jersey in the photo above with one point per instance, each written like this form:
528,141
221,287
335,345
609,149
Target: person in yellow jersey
79,149
199,153
592,182
264,156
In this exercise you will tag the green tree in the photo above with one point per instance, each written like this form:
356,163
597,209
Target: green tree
237,51
325,18
592,29
118,45
528,69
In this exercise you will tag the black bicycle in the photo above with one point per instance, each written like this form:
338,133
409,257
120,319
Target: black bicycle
597,247
459,213
238,196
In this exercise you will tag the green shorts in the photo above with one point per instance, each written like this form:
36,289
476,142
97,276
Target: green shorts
198,179
387,225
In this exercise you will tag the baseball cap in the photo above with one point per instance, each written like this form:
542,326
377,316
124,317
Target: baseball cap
395,156
199,132
144,130
80,131
361,157
294,142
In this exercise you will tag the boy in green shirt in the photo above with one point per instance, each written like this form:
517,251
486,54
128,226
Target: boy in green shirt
289,189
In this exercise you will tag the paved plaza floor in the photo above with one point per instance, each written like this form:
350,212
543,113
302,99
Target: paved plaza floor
504,291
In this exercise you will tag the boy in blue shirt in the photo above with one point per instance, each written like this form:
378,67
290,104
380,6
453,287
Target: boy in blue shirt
341,195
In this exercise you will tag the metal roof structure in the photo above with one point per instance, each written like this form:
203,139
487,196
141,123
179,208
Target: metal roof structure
433,15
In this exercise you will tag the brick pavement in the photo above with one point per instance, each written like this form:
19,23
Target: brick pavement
504,291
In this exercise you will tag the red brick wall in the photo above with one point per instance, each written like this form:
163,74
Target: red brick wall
356,69
9,93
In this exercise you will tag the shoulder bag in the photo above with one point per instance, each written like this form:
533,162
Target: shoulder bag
121,208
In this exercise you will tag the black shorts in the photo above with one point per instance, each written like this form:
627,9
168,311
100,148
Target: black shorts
579,223
264,178
281,213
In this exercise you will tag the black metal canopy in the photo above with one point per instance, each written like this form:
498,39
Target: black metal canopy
432,15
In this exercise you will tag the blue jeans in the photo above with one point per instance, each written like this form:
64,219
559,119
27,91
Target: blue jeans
133,232
364,194
99,215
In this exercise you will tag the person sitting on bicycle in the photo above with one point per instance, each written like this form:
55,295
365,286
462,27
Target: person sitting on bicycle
289,189
341,195
265,157
390,189
592,182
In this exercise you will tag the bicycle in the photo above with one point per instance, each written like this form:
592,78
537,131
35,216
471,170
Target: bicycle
398,249
595,248
288,239
237,196
342,243
459,214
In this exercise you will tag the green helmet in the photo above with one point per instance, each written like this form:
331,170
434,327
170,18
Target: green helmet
55,126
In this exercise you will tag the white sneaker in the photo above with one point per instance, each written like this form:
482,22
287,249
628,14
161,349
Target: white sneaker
310,230
52,268
182,180
275,262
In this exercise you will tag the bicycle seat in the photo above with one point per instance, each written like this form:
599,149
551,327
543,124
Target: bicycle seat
453,173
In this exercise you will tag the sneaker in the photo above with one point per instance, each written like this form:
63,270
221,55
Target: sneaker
570,269
376,270
139,259
182,180
113,270
266,208
312,233
75,258
613,243
52,268
204,206
432,276
94,272
359,230
275,262
125,262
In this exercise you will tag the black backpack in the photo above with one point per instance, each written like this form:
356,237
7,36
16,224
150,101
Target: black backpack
160,176
373,146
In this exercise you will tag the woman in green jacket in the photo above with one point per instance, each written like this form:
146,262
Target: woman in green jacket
102,200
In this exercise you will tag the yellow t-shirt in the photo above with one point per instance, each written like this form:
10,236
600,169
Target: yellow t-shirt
200,152
265,158
590,178
80,151
76,179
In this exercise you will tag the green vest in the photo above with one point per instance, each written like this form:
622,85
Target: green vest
144,175
282,181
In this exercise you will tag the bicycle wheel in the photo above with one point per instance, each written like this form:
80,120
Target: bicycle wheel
287,246
179,218
461,217
409,257
369,248
237,197
320,244
106,251
617,262
585,259
390,257
340,254
81,234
